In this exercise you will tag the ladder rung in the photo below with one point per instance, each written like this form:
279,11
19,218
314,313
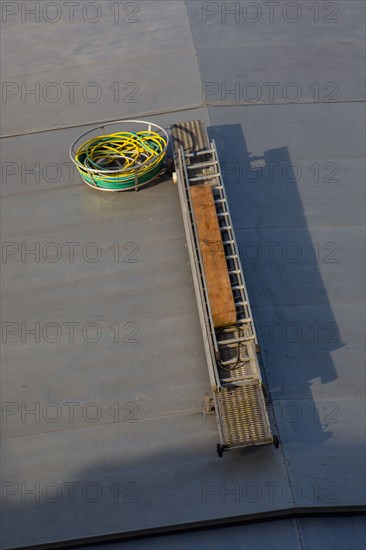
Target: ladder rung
237,287
235,340
232,271
221,214
237,380
242,381
228,242
197,153
230,362
231,256
202,165
220,200
233,362
241,303
225,228
204,177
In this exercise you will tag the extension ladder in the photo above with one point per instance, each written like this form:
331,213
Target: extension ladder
231,351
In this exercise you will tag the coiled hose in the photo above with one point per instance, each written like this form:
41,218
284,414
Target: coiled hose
113,161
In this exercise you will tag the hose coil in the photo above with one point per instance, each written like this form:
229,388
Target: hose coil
121,160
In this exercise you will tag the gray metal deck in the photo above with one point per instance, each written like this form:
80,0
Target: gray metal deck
315,533
101,471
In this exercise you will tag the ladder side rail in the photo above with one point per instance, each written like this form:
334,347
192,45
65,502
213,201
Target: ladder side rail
208,331
241,274
229,242
254,365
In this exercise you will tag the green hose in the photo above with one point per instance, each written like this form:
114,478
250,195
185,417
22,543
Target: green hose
117,161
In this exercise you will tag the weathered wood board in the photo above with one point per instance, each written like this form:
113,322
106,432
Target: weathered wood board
213,256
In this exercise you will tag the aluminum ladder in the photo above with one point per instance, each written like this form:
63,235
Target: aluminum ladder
232,352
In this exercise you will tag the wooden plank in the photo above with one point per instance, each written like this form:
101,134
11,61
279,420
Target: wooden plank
213,256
